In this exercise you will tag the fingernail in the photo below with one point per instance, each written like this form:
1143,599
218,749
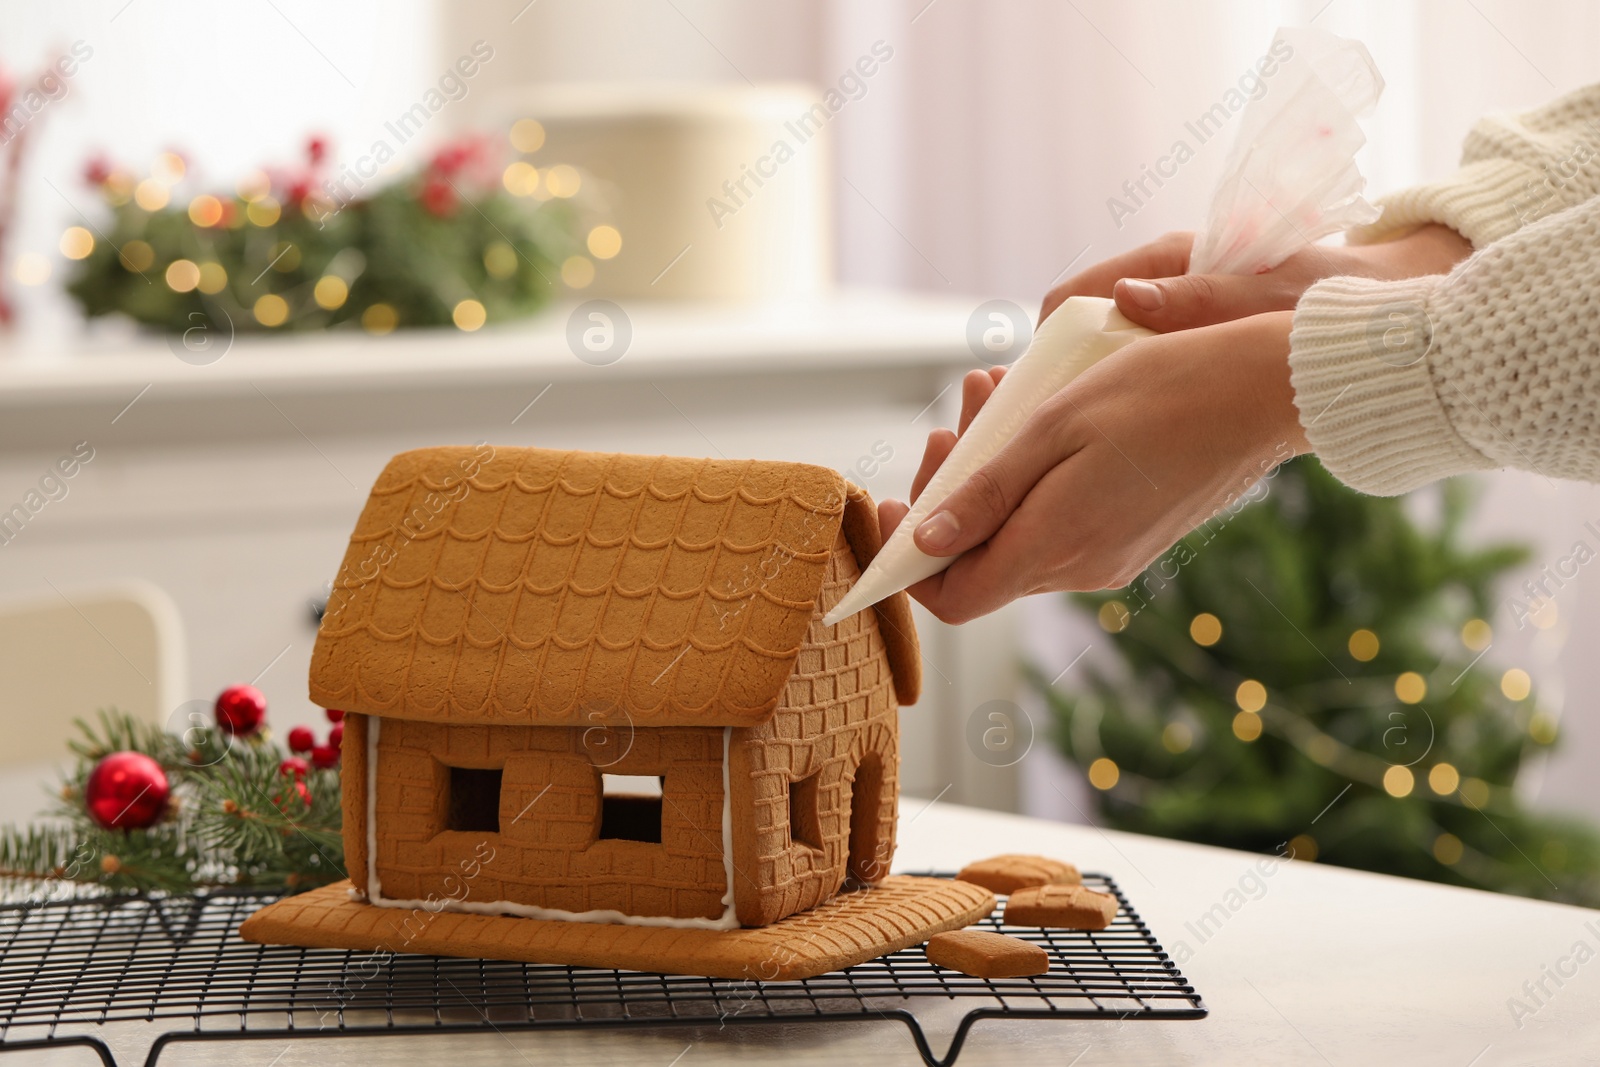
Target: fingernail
939,531
1145,294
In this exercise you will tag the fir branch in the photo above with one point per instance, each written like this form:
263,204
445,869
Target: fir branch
233,819
247,810
38,853
118,732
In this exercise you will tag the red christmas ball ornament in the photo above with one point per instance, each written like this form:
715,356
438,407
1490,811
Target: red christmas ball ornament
336,736
324,756
301,739
334,715
126,791
241,709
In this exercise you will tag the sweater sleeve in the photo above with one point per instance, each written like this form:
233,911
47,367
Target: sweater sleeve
1515,169
1496,364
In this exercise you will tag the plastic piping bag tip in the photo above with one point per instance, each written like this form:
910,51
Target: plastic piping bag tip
854,601
897,567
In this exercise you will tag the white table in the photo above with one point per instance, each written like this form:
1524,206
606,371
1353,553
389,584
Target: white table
1324,966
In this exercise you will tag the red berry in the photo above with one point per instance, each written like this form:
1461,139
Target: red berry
324,756
241,709
294,766
336,736
126,791
317,150
301,739
335,715
282,802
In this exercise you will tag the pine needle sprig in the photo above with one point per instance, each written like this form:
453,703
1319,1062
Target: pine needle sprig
234,819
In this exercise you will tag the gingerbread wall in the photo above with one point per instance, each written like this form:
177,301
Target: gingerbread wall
837,721
353,798
545,852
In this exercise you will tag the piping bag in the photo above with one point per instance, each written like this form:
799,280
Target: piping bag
1290,179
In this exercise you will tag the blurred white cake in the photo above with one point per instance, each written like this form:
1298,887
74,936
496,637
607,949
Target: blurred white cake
719,192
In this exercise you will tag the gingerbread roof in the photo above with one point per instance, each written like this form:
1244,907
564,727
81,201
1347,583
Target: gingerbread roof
526,585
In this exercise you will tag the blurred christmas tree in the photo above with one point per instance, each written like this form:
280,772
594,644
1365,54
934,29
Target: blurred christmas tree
1312,670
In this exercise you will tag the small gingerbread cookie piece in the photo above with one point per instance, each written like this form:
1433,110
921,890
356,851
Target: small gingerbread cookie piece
982,954
1066,907
1015,870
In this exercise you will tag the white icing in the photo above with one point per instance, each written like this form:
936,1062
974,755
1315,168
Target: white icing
729,919
373,892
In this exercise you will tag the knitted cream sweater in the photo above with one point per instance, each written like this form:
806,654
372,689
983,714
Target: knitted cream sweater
1496,364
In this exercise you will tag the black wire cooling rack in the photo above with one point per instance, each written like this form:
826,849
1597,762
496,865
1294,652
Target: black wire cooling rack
71,972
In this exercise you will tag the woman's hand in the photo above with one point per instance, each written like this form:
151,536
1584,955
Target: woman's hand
1151,288
1106,475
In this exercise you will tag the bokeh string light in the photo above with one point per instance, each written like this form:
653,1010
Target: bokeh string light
1255,718
462,242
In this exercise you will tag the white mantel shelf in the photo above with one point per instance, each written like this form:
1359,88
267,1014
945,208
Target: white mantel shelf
849,330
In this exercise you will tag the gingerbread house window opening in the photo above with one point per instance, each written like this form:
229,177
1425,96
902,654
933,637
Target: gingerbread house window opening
805,812
473,800
630,807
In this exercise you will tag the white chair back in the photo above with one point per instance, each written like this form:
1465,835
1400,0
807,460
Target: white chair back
67,654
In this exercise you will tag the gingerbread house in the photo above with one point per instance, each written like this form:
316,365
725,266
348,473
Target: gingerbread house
590,699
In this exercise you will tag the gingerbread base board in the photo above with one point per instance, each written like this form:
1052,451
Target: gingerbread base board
849,929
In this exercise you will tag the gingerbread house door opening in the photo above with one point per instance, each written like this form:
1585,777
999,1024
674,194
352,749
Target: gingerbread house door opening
871,825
